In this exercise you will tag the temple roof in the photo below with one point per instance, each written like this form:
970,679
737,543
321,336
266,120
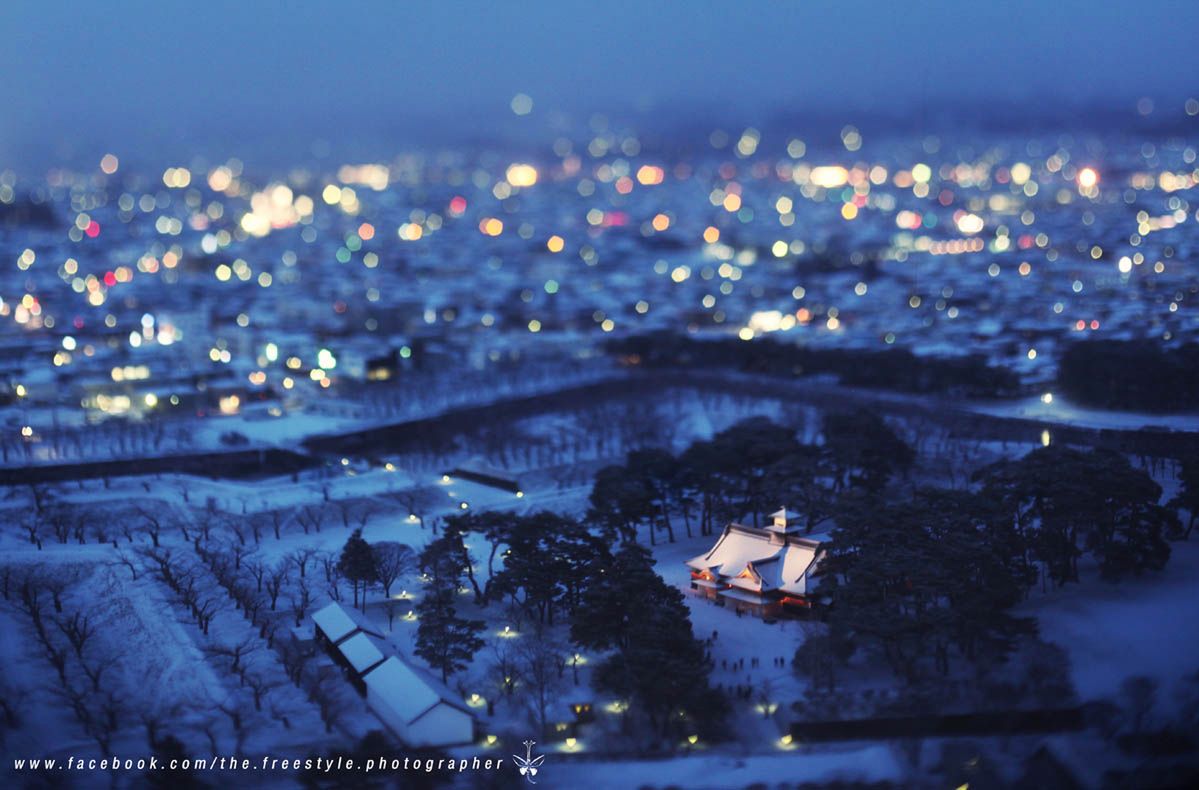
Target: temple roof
754,559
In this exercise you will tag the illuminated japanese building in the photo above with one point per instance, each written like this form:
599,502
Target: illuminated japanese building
765,571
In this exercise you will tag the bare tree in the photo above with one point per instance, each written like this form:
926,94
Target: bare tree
278,518
301,599
155,715
96,665
416,501
78,629
294,659
260,685
301,557
311,517
57,582
257,569
236,654
392,561
539,663
345,509
61,520
34,526
101,530
238,713
504,670
152,523
324,688
275,580
240,529
365,511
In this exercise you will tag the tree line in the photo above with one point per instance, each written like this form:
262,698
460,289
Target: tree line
1131,374
894,369
546,569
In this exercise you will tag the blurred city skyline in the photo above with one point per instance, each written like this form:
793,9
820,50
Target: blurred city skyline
156,81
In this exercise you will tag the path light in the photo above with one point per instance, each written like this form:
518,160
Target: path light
445,478
786,741
491,740
571,744
520,494
692,739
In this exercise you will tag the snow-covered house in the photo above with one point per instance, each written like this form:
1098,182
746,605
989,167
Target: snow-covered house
766,571
336,623
358,655
362,652
352,641
418,709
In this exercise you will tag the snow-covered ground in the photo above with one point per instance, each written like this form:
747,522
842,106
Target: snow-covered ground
701,771
1110,632
1060,410
1147,626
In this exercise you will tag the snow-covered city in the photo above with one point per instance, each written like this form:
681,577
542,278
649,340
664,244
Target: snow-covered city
571,430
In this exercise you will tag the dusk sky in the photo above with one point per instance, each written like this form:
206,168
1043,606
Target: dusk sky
152,76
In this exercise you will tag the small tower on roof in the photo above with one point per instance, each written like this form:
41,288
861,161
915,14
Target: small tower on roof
782,523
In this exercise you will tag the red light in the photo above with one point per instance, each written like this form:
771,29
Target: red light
110,279
457,205
93,229
1094,325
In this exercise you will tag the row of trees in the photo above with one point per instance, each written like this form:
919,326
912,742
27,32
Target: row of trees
555,569
936,573
897,369
750,468
1131,374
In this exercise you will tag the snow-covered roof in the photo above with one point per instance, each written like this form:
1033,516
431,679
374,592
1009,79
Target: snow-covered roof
361,651
760,560
337,622
407,692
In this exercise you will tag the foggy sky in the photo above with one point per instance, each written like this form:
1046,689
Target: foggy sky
161,78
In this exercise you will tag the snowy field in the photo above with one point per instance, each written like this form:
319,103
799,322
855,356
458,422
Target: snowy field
718,771
1144,626
1110,632
1060,410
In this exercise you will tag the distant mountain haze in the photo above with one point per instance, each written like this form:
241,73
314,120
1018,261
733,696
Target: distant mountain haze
294,80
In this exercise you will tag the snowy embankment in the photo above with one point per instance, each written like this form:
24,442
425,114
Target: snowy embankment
1060,411
699,771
